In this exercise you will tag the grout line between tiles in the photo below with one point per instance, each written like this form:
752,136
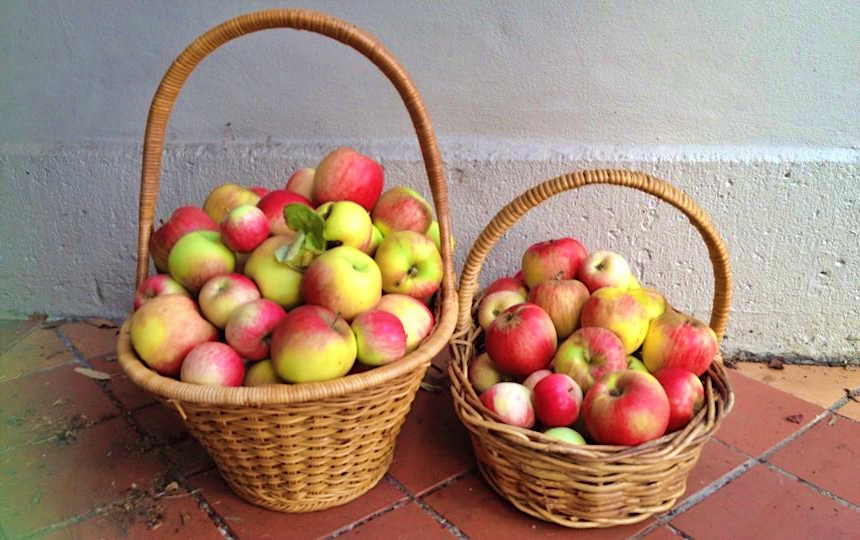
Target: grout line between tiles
379,513
818,489
442,520
17,340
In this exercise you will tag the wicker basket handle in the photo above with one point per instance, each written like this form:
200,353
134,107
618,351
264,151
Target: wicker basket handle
664,191
320,23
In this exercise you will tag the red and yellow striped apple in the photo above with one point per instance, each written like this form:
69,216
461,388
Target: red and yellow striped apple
679,340
557,400
344,280
493,304
250,326
273,203
244,228
686,395
199,256
588,353
617,310
277,280
553,259
222,294
226,197
346,175
626,408
521,340
184,220
213,363
410,264
562,299
379,337
402,209
312,343
511,402
605,269
416,317
157,285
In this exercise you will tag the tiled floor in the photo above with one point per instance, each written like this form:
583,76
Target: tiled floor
89,458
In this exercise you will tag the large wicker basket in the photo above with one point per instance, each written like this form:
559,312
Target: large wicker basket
304,447
594,485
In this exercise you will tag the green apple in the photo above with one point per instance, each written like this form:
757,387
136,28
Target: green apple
346,223
636,364
260,373
312,343
375,240
197,257
165,329
278,281
565,434
433,234
410,264
344,280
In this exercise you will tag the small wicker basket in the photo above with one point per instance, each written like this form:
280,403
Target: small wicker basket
303,447
594,485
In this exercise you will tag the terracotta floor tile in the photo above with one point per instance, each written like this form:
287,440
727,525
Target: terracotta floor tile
479,512
39,350
13,330
55,482
766,504
715,460
168,431
409,522
127,392
96,337
851,410
50,403
759,419
431,434
145,517
822,385
827,456
662,533
250,521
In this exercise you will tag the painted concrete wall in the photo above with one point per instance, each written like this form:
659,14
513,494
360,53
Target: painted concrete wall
751,109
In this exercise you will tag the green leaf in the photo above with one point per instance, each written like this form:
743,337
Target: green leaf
303,219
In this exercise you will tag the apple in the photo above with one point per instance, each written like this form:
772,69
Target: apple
651,299
260,373
157,285
507,283
375,240
565,434
416,317
402,209
493,304
244,228
557,400
562,299
686,395
626,408
165,329
301,182
410,264
614,308
521,340
379,337
273,204
277,280
345,175
226,197
588,353
312,343
344,280
222,294
184,220
675,339
197,257
511,402
553,259
213,363
536,377
346,223
249,328
434,234
259,190
605,269
483,373
635,363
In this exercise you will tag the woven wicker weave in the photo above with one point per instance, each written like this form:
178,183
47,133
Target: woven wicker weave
304,447
594,485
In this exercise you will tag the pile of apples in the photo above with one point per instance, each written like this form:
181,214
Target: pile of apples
326,276
576,348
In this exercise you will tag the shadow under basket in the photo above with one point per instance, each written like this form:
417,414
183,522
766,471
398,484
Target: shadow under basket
310,446
586,486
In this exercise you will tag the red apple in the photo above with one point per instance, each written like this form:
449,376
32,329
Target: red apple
302,182
402,209
507,284
557,400
553,259
562,299
521,340
184,220
346,175
249,328
483,373
588,353
273,203
157,285
379,337
616,309
494,304
221,295
605,269
244,228
686,395
259,190
675,339
417,319
213,363
626,408
312,343
511,402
